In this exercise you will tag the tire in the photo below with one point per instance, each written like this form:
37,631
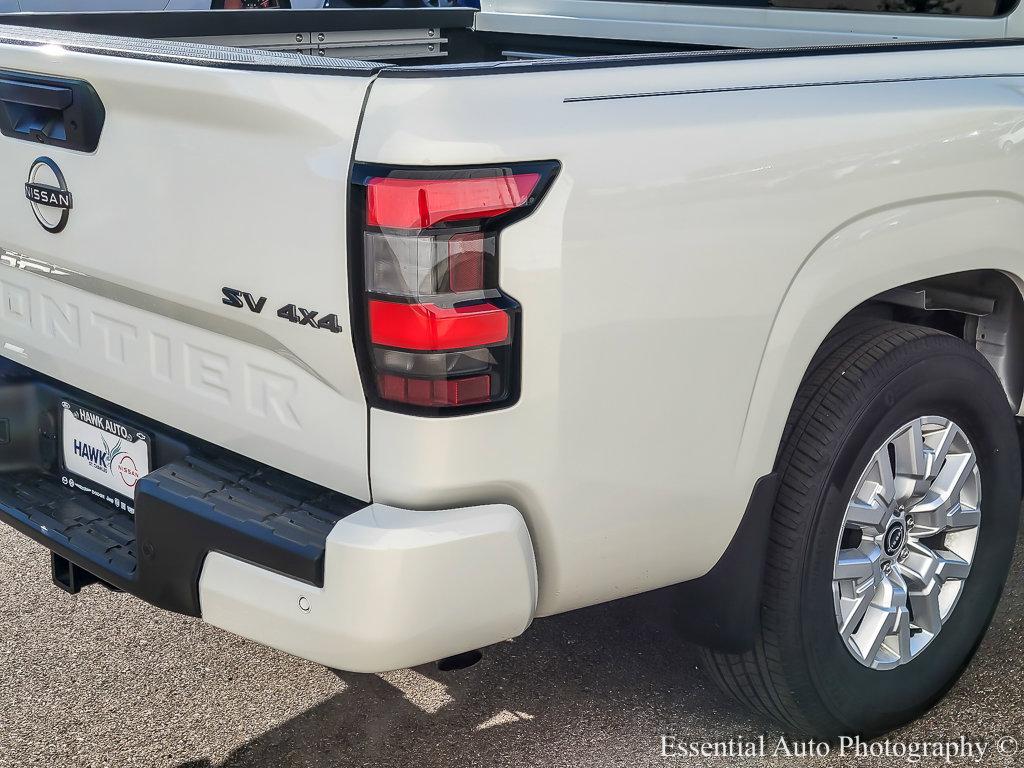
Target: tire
865,384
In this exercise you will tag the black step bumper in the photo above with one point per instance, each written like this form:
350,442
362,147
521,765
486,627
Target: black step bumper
199,499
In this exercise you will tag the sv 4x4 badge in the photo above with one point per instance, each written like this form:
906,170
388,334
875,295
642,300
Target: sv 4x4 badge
290,312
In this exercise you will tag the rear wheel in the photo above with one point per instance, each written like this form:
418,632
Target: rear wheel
891,536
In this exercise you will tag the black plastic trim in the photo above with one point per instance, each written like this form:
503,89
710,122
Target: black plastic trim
186,510
199,499
34,503
721,609
53,111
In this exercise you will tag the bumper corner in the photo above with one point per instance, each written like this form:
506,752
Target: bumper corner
401,588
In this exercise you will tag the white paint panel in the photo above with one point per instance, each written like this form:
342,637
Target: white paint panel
655,277
204,178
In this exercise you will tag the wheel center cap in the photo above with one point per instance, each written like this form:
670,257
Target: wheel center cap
894,539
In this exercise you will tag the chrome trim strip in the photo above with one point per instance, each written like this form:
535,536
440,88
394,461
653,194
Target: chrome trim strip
740,88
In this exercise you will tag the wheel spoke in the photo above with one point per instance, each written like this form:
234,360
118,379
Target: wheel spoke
882,618
955,473
944,516
940,509
860,575
854,564
903,634
861,603
875,492
920,565
911,460
877,626
886,478
872,514
951,566
926,607
924,565
926,572
962,518
938,454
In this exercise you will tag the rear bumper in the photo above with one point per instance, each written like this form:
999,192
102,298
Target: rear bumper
400,588
355,586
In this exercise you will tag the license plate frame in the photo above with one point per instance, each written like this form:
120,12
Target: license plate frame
102,456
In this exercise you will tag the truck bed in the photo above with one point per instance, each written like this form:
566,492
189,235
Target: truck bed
411,36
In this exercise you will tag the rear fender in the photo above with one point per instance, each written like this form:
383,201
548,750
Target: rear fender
875,252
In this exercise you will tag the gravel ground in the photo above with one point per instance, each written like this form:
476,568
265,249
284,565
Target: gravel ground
101,679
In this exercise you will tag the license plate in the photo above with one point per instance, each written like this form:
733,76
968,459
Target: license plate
102,456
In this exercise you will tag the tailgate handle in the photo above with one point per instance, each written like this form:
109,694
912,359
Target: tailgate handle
50,110
15,92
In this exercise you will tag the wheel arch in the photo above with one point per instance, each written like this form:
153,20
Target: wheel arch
956,256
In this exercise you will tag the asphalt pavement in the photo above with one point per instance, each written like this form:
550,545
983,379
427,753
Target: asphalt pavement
101,679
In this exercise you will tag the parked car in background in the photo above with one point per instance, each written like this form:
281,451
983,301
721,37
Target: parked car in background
100,6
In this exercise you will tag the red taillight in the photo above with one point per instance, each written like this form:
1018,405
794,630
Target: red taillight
435,393
440,334
430,328
400,203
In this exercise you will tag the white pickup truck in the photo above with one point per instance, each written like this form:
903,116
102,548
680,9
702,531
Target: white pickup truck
374,335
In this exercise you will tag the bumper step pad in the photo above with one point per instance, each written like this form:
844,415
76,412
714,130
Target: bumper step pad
272,504
183,511
103,535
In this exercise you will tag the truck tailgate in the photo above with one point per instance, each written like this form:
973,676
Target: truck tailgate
214,170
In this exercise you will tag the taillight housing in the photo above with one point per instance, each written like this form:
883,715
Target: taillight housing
436,335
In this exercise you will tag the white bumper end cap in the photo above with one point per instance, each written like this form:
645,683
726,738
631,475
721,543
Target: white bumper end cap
401,588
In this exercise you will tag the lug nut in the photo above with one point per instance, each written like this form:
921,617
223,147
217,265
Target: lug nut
887,567
904,553
910,521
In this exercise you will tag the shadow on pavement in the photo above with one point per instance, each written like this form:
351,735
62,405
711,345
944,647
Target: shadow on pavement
594,687
614,674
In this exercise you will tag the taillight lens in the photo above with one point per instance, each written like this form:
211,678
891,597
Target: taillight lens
439,334
411,203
